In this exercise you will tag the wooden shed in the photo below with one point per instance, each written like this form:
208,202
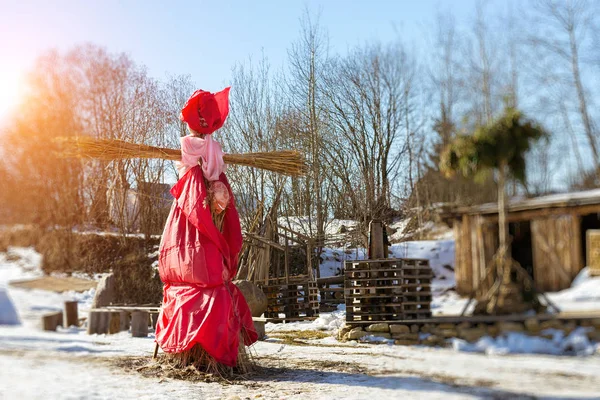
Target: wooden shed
548,238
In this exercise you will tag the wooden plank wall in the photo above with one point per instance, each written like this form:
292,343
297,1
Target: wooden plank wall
556,241
556,251
476,244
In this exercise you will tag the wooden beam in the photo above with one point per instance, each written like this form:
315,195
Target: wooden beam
266,241
516,216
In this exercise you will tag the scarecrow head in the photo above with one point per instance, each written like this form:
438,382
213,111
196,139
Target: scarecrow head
206,112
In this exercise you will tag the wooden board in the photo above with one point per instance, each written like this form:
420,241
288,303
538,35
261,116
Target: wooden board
593,251
455,319
554,252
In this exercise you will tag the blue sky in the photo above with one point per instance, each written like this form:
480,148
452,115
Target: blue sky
203,38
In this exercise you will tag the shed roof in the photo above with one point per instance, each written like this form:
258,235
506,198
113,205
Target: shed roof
562,200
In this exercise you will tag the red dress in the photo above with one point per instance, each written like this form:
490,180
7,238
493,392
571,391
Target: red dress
196,264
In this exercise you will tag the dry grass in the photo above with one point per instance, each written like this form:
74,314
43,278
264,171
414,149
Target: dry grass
285,162
265,369
24,236
203,363
193,365
297,338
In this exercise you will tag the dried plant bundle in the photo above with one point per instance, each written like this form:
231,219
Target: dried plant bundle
287,162
201,361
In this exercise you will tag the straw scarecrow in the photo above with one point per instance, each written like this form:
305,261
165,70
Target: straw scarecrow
205,320
204,316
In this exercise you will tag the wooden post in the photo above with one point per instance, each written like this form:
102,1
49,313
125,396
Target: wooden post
114,324
92,322
287,261
124,321
309,249
376,240
139,324
52,320
98,322
154,318
71,316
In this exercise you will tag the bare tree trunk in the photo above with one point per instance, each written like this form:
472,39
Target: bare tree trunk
583,108
502,224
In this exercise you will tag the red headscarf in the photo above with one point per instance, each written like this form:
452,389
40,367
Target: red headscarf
206,112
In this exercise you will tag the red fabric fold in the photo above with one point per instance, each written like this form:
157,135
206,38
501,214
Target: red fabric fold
197,264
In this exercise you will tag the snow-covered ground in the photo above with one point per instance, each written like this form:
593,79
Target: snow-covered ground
70,364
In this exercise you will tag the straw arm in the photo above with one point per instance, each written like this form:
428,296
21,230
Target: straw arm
286,162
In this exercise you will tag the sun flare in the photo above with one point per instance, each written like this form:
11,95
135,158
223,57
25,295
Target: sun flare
10,93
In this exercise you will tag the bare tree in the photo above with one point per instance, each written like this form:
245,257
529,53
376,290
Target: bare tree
308,58
562,30
370,94
47,190
252,127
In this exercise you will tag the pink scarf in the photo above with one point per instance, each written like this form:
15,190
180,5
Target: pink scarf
194,149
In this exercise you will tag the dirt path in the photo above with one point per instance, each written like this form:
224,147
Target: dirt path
56,284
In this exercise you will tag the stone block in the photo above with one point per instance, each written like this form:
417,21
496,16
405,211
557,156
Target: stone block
551,324
260,329
355,334
399,329
406,336
400,342
507,326
594,336
105,291
343,332
434,340
382,327
472,334
255,297
414,328
493,330
532,325
569,327
464,325
385,335
448,333
596,323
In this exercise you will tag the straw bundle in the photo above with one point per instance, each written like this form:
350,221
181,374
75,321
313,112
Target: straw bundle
285,162
202,362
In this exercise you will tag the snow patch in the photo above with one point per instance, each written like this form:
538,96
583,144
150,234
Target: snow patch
8,313
440,254
331,321
576,343
375,339
583,295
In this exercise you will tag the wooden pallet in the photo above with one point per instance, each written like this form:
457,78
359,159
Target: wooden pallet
388,290
292,301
